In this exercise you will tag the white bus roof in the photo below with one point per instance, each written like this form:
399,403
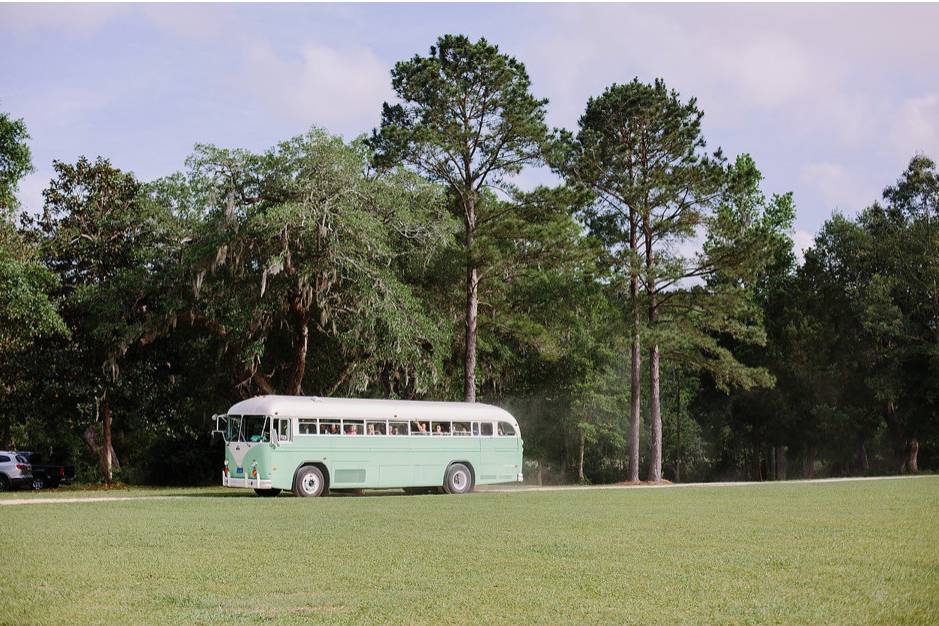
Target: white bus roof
313,406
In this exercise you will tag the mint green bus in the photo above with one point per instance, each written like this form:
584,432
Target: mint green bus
311,445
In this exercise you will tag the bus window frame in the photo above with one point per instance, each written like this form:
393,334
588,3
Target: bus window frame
357,423
443,424
329,421
282,420
383,423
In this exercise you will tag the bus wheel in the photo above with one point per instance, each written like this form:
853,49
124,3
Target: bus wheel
267,493
459,479
309,482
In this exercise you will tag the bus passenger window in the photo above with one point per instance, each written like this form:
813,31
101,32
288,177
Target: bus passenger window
283,430
440,428
306,427
506,429
375,428
419,428
476,429
486,429
397,428
353,428
461,429
329,427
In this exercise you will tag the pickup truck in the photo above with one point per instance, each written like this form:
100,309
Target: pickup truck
46,474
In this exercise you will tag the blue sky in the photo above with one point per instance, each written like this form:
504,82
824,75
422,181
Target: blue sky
830,100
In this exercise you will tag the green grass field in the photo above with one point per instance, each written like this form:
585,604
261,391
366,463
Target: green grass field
838,552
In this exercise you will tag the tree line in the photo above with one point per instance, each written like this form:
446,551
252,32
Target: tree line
645,318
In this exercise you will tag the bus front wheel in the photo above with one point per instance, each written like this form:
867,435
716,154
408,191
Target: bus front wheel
459,479
309,482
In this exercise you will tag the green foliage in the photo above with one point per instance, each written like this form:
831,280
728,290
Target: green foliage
26,312
467,120
15,161
365,268
466,117
302,247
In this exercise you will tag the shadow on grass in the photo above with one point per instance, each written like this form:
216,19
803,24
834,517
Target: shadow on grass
334,493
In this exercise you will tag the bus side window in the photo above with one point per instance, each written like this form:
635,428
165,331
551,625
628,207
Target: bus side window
283,429
486,429
476,429
461,429
306,427
329,427
375,428
419,428
506,429
397,428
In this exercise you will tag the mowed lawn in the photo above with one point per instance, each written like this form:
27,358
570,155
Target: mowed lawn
834,552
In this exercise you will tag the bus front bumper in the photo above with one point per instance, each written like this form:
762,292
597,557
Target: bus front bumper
245,482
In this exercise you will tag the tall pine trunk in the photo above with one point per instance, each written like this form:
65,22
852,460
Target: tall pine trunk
580,461
808,462
107,449
655,405
911,464
635,384
472,304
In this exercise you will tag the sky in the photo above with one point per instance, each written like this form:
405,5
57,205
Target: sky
830,100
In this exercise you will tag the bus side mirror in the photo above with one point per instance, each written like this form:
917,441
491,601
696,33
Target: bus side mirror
218,433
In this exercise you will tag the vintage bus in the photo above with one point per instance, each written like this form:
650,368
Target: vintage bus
310,445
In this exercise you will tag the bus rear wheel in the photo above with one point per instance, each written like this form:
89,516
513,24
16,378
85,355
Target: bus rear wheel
309,482
267,493
459,479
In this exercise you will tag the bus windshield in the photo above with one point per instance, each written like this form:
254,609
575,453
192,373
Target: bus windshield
253,428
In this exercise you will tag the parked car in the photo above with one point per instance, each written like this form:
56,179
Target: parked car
14,471
46,474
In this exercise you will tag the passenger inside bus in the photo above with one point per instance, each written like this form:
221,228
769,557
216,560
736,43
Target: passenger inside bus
419,428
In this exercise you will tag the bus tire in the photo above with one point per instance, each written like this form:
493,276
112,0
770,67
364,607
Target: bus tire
267,493
459,479
309,482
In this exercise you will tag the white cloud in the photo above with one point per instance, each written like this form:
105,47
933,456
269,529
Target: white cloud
802,240
195,21
768,70
839,188
917,126
74,19
341,90
30,191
